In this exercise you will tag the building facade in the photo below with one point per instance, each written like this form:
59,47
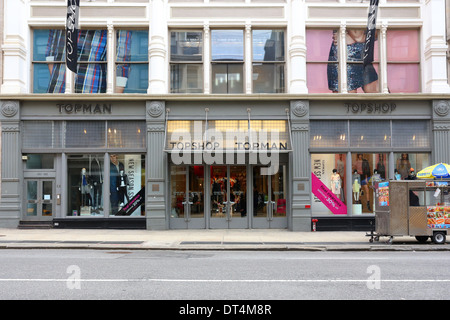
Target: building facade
217,114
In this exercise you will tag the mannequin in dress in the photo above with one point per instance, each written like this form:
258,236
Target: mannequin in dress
85,189
356,182
336,183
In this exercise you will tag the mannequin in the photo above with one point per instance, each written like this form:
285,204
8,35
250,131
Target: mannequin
122,184
356,178
336,183
85,189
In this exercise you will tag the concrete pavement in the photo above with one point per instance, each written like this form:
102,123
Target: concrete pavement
247,239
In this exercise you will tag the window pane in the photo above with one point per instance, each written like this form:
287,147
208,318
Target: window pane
227,45
126,184
186,46
402,45
268,78
316,74
403,78
328,134
91,78
85,134
322,166
318,42
227,78
48,45
85,183
40,161
186,78
370,133
41,134
405,161
268,45
126,134
411,134
133,76
131,45
92,45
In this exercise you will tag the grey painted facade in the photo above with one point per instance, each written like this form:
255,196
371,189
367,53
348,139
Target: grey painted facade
298,112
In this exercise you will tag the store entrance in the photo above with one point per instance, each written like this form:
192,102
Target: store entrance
187,209
269,198
39,201
228,189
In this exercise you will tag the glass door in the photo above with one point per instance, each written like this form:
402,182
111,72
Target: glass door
269,199
228,189
39,200
187,209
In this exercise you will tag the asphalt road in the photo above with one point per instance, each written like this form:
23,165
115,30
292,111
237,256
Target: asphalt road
224,275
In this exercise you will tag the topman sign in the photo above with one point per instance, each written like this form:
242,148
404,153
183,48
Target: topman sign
84,108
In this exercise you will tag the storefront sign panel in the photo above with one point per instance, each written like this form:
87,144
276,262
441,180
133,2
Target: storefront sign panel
325,195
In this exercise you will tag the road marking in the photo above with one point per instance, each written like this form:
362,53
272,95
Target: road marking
226,280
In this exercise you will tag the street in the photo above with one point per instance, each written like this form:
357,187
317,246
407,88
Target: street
222,275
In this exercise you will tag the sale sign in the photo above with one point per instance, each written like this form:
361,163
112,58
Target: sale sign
325,195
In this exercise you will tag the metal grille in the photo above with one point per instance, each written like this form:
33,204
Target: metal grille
411,133
329,134
41,134
126,134
85,134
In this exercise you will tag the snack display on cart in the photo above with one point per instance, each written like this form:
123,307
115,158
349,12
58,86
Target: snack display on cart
438,217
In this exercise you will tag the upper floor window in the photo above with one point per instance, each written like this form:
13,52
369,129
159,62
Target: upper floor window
49,69
268,61
323,62
186,62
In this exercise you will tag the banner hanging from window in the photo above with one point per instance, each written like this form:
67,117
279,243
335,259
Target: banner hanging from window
72,27
370,33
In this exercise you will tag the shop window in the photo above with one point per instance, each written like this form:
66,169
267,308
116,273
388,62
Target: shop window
85,134
186,62
370,133
367,169
131,61
405,161
227,56
403,61
322,166
268,61
85,185
41,134
49,57
126,134
323,62
126,184
331,133
39,161
411,134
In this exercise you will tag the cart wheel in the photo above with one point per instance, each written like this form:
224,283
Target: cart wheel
439,237
371,240
377,238
422,239
391,239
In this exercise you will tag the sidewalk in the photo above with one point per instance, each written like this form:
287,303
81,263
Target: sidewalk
252,239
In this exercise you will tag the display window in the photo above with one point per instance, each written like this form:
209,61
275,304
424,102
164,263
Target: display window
85,178
126,184
404,162
330,169
367,169
89,188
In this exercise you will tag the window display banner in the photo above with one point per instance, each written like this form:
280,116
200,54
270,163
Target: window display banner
134,204
72,27
325,195
133,169
370,33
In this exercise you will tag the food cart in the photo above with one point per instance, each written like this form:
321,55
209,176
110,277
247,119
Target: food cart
418,208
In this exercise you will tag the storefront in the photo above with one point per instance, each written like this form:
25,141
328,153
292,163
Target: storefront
354,144
228,165
190,164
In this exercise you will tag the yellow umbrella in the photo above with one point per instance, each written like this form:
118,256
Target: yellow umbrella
438,170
